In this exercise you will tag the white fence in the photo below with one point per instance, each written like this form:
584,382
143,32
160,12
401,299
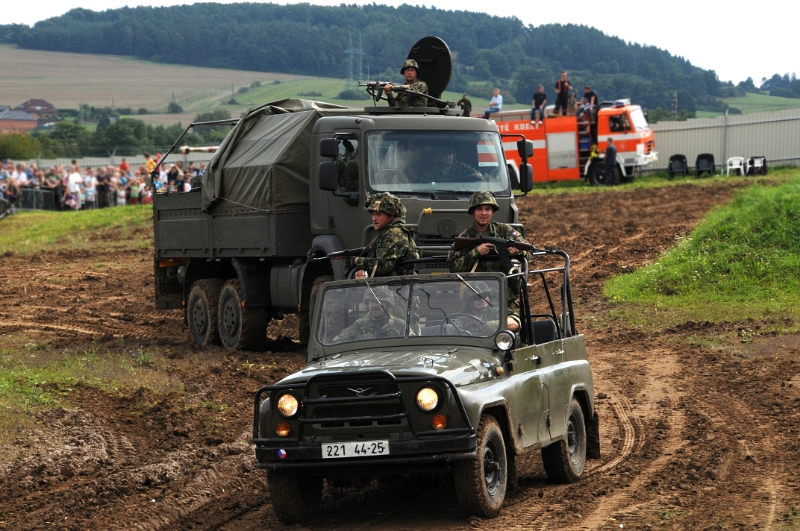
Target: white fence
775,135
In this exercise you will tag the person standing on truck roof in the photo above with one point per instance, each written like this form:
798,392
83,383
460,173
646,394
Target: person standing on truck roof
610,169
589,102
466,105
495,104
483,257
383,256
409,70
539,103
563,87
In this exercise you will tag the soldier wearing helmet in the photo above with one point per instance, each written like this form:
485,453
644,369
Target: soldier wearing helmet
409,70
384,255
378,323
482,206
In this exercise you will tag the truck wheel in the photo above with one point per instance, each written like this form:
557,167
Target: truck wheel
240,327
304,319
597,175
481,481
294,496
564,460
201,311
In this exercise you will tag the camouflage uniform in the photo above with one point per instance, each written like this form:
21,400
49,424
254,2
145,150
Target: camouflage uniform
465,259
448,173
409,100
393,243
370,328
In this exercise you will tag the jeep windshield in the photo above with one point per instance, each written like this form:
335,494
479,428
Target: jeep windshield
436,161
367,311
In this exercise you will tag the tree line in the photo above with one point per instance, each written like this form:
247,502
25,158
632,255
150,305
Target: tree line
312,40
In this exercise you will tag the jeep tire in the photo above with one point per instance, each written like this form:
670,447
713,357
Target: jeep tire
564,460
295,496
481,482
201,311
240,327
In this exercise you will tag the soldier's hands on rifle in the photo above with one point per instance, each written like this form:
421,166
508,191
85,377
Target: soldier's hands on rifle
485,248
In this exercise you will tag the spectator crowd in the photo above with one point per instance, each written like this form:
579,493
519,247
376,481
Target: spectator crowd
77,188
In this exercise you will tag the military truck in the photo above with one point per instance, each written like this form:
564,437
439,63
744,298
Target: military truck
286,187
441,387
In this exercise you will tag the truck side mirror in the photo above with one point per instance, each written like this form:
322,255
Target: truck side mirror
525,149
329,147
328,174
525,178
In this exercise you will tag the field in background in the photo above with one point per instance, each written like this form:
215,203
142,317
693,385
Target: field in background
68,79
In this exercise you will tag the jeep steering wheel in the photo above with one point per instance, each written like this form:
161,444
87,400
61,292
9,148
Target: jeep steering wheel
468,315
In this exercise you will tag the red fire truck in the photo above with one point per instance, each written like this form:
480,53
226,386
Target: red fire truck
563,145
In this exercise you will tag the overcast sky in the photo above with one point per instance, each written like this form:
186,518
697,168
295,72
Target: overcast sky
712,35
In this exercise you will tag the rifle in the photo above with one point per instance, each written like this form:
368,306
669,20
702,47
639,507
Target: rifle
341,255
375,89
501,247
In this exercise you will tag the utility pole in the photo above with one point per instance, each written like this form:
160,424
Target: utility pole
674,103
351,52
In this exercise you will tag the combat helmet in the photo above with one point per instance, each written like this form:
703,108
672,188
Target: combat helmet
383,295
410,63
483,198
385,202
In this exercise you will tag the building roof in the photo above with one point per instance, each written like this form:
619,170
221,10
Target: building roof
16,115
4,108
38,106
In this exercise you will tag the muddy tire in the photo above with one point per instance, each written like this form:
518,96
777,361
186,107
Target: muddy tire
295,497
481,482
565,459
240,327
304,318
201,311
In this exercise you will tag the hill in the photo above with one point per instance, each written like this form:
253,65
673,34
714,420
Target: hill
311,40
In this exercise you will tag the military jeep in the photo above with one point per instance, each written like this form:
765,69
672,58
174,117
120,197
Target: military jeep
419,374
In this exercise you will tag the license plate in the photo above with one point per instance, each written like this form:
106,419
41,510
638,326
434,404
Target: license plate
355,449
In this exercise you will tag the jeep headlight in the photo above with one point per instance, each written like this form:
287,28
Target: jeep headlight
288,405
504,340
427,399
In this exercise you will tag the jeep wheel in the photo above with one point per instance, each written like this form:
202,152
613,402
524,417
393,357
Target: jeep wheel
564,460
201,311
481,482
240,327
294,496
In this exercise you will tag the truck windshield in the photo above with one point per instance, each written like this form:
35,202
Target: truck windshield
639,121
412,309
430,161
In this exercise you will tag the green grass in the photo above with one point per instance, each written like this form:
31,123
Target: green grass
741,263
30,232
762,103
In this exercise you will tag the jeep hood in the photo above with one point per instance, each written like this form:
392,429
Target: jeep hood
462,366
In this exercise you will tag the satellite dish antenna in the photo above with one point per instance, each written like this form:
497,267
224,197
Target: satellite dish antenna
435,64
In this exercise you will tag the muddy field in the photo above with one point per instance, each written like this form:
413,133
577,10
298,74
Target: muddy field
699,424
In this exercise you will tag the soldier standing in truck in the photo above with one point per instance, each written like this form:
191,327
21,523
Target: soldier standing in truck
483,257
385,254
409,70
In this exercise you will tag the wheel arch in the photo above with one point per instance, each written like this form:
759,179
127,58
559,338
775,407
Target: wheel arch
499,410
582,394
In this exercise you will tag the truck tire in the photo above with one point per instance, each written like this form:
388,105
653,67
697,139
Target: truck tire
240,327
597,176
481,482
201,311
564,460
304,319
295,496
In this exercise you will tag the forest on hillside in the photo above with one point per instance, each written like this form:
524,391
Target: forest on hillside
312,40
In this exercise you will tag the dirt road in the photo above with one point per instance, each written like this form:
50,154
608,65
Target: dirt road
694,432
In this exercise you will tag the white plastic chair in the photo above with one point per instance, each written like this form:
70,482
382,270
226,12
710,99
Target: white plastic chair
736,164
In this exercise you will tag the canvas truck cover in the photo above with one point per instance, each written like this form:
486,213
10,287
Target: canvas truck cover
264,161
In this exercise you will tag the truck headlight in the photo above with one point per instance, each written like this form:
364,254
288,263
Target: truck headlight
288,405
427,399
